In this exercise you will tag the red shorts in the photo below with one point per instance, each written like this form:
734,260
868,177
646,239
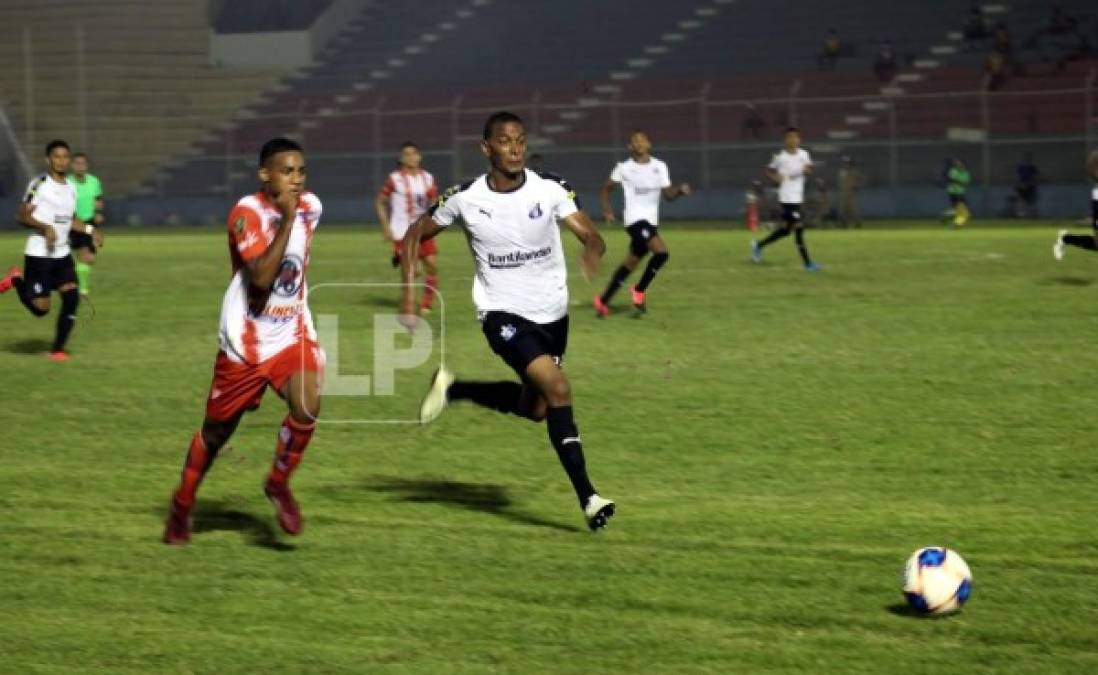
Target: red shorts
426,248
239,387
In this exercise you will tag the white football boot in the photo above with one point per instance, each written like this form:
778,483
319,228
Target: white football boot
434,402
598,512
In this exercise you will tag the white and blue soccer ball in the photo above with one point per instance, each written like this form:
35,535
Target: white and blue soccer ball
937,580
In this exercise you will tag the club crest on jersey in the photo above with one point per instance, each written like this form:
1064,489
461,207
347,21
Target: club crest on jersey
535,211
507,331
239,224
290,275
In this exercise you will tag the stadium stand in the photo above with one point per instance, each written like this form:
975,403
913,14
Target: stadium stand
409,56
151,92
431,72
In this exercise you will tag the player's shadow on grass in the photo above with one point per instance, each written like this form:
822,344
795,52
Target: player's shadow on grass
391,300
1068,281
219,516
482,497
28,346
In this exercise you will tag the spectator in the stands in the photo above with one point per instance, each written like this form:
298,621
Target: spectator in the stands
995,73
832,49
1026,188
885,64
753,124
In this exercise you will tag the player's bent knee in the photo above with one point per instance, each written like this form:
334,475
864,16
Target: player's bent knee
558,392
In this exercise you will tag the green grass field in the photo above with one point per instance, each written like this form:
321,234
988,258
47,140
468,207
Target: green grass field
778,443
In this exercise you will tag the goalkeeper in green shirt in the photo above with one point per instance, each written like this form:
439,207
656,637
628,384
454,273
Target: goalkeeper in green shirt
89,208
957,180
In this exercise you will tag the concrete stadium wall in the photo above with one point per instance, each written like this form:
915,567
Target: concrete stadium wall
285,49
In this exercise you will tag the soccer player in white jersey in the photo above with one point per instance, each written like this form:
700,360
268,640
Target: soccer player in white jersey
266,334
49,209
644,180
1085,241
511,217
788,170
405,196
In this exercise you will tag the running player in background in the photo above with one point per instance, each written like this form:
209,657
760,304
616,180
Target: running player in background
48,209
405,196
1087,241
512,218
643,179
788,170
266,335
957,181
89,208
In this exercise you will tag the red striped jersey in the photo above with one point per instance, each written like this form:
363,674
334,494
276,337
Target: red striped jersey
256,324
410,194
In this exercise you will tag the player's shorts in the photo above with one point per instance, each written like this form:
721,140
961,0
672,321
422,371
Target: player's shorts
792,214
239,387
44,275
519,341
640,233
81,240
426,248
957,199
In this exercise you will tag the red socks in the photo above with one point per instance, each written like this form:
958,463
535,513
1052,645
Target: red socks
293,437
429,292
198,462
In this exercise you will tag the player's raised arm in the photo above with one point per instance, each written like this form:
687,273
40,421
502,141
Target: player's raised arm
604,200
423,229
593,245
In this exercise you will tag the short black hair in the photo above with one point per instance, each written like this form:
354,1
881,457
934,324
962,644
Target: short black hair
277,145
501,117
792,130
77,155
409,144
54,144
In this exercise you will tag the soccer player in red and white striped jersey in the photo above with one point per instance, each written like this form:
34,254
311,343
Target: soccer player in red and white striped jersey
406,195
267,338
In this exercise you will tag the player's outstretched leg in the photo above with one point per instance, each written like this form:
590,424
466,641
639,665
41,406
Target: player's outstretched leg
802,248
39,306
660,256
758,246
1083,241
302,392
203,449
548,378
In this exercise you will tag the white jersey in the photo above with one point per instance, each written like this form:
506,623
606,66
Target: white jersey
256,325
53,204
515,241
791,166
643,186
410,195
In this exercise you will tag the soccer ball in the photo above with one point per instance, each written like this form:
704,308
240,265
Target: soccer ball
936,580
